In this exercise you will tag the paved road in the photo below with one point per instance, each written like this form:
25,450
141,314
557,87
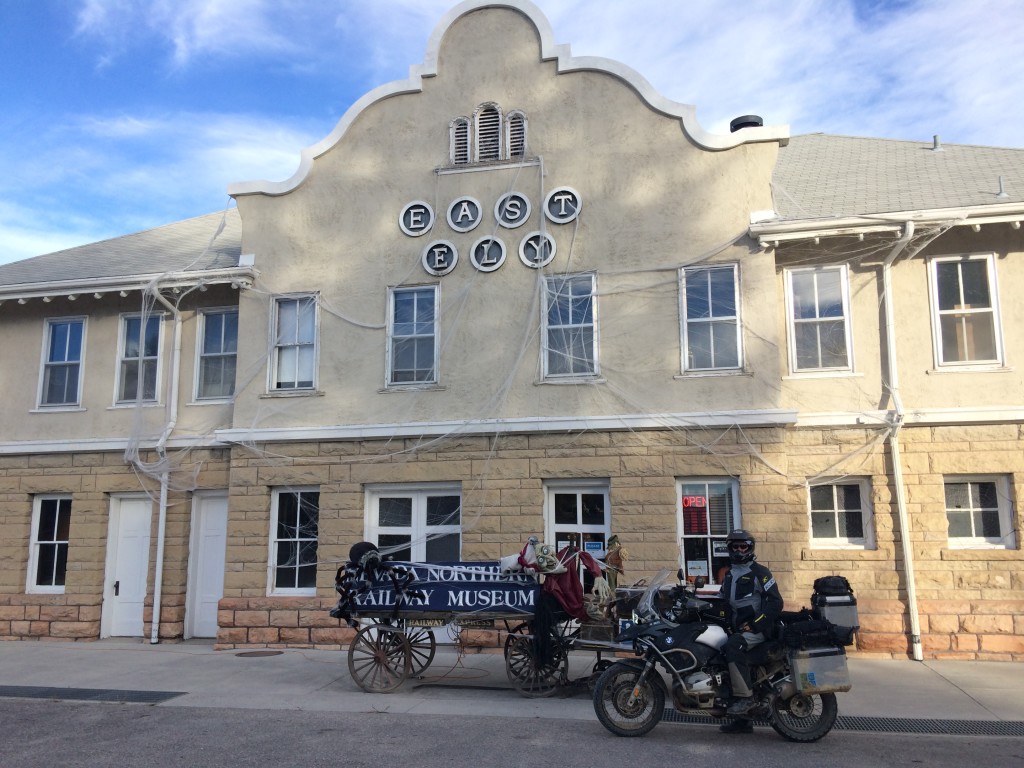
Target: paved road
43,734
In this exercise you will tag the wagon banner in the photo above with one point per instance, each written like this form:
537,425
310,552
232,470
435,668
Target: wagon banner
462,588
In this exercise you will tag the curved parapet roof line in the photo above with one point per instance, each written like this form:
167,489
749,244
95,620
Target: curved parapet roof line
550,50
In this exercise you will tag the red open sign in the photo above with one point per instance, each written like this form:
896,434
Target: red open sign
699,502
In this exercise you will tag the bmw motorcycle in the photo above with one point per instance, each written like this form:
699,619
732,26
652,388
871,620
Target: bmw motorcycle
679,640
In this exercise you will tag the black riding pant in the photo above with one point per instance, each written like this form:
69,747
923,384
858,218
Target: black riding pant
737,653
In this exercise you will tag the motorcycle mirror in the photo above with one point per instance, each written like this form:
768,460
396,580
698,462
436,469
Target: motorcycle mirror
699,582
680,575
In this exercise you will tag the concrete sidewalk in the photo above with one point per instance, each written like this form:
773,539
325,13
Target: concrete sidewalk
471,684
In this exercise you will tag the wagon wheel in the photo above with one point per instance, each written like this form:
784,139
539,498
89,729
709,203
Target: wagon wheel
519,630
422,645
379,658
529,678
564,632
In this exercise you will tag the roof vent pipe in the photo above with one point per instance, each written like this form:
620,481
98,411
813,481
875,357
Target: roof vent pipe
936,146
745,121
1002,189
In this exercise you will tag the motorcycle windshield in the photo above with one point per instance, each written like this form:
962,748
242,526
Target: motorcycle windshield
646,608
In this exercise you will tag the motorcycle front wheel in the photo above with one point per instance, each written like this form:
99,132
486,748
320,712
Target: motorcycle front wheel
612,696
805,717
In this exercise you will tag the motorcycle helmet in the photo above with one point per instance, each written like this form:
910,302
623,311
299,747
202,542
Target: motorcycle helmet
741,546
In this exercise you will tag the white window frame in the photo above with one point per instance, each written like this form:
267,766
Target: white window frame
791,321
275,496
867,541
392,339
122,337
579,487
273,378
937,314
685,322
546,349
31,587
45,363
418,531
682,535
202,356
1008,537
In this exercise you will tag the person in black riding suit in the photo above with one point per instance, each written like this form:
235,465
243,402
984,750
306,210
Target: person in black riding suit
754,604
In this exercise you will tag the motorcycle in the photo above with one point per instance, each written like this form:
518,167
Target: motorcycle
679,640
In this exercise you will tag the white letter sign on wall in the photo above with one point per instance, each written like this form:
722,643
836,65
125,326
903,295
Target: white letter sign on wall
562,205
488,254
512,210
464,214
537,250
440,257
416,219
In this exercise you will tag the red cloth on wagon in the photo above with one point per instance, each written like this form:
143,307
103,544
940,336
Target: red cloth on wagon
567,587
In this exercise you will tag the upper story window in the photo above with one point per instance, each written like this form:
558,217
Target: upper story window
412,335
488,137
48,553
840,515
710,313
218,351
62,362
139,359
979,512
570,326
965,310
295,343
819,319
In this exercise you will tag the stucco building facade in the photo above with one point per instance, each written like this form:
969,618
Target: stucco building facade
521,293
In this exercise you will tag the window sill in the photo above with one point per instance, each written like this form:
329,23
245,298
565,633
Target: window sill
982,552
487,165
411,388
822,375
127,406
292,393
572,380
969,369
44,591
713,373
815,554
292,593
59,409
212,401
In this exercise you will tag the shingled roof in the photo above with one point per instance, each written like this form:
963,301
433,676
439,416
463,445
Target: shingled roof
822,176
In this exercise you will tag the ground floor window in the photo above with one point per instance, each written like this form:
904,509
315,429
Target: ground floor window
578,513
294,526
707,510
417,523
48,554
841,515
978,512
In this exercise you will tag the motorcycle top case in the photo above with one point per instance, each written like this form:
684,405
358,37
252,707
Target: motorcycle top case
840,610
820,670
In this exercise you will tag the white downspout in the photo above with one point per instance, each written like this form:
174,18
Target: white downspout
161,448
894,442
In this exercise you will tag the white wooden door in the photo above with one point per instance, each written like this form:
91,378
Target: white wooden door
124,592
206,564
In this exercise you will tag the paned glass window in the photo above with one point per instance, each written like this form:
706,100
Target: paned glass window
62,366
978,512
48,558
417,523
218,352
413,336
295,343
570,326
819,325
840,515
965,307
140,358
708,511
295,525
711,327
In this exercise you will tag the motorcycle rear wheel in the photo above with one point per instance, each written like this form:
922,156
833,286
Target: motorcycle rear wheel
805,717
611,701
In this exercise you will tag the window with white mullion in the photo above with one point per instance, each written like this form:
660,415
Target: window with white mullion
412,334
218,352
295,524
295,343
819,326
711,328
964,300
570,326
139,361
979,512
417,523
62,362
840,515
48,555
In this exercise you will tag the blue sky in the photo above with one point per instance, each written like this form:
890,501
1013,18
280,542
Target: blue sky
120,115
